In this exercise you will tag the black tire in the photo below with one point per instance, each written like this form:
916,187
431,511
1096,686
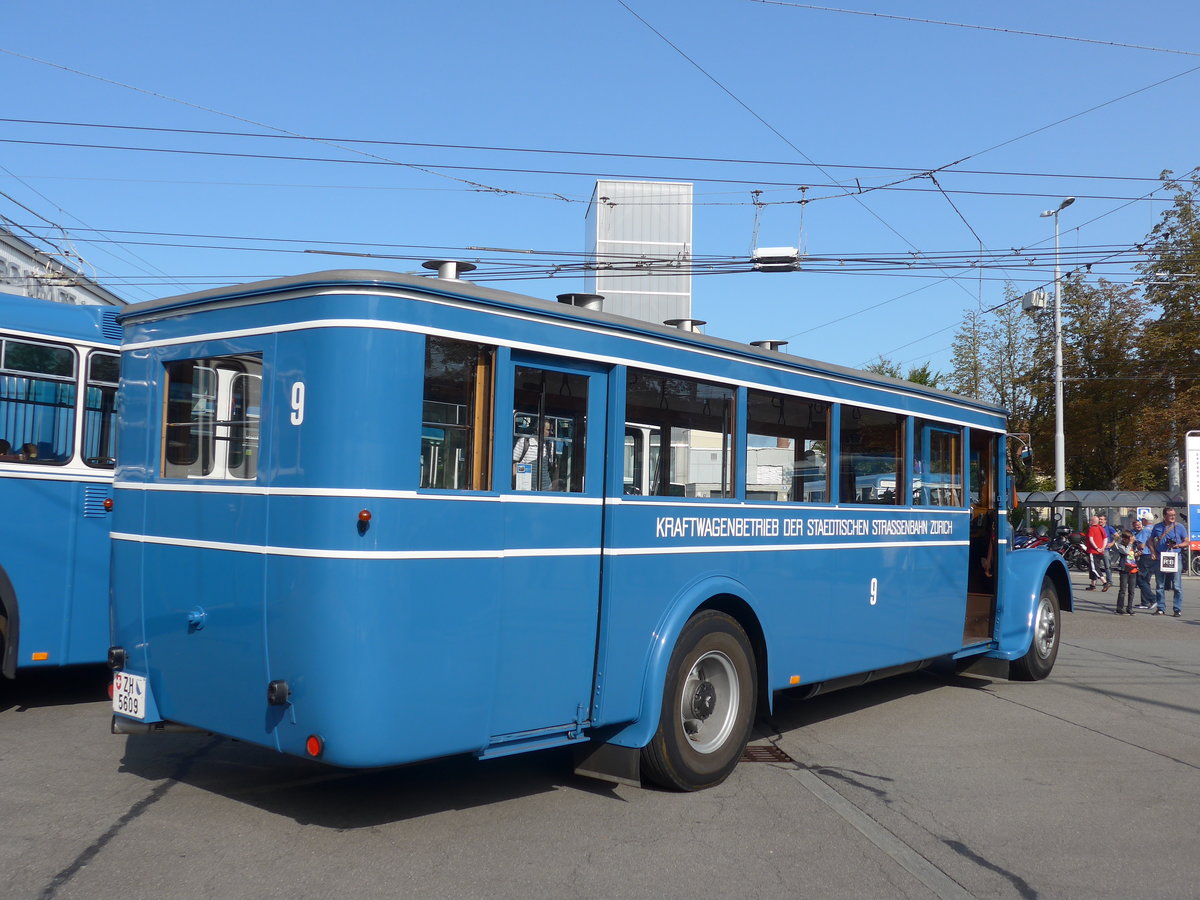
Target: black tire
1043,648
1195,563
708,706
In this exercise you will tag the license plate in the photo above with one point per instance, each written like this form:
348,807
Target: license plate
129,695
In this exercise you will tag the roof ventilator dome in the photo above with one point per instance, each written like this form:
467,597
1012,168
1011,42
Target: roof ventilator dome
686,324
583,301
449,269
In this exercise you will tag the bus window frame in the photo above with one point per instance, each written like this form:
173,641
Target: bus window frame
109,426
218,468
72,381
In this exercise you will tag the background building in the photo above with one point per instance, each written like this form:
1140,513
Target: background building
30,272
640,236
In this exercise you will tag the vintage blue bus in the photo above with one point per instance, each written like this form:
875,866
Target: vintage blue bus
373,518
58,387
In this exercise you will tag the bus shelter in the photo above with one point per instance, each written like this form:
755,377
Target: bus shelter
1074,508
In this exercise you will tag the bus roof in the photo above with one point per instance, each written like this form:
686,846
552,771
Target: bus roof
298,285
95,324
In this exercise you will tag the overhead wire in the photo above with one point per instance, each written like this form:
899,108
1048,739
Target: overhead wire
1014,31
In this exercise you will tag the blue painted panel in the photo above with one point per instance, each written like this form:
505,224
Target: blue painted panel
215,676
57,561
390,662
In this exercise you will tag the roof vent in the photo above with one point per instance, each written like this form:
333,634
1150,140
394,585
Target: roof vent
449,269
686,324
769,345
583,301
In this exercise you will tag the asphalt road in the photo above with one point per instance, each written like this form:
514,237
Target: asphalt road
1084,785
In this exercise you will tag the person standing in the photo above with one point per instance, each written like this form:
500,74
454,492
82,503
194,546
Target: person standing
1127,567
1096,542
1165,537
1145,562
1110,537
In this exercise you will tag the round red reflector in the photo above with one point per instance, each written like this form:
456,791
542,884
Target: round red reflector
314,745
110,690
107,504
364,515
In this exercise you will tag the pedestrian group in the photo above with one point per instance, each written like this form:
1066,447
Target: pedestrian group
1150,551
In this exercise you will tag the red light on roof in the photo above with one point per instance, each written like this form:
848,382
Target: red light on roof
107,504
364,515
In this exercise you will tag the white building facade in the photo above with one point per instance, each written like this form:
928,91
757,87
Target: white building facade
639,235
29,272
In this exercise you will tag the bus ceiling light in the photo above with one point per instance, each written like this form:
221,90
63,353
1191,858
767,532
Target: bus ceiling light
449,269
583,301
314,746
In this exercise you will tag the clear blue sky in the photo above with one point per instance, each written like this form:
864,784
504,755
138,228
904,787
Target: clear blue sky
846,91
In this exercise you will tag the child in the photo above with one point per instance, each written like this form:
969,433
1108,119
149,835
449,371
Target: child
1127,549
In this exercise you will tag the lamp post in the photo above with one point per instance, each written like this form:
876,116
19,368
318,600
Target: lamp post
1060,451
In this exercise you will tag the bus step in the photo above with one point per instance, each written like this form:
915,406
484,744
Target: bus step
525,745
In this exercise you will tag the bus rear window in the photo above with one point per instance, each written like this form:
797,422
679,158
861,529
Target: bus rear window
211,424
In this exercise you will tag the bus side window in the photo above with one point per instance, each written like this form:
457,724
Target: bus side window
37,401
688,426
100,410
937,470
787,438
872,456
456,414
549,438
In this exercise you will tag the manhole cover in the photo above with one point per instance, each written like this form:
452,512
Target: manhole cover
769,753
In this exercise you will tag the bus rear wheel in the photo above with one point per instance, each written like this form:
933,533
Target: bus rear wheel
1043,649
707,708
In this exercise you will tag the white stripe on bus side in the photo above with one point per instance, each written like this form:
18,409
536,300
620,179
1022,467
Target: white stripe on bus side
511,553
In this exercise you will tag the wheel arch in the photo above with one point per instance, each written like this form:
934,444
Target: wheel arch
720,593
1025,571
10,609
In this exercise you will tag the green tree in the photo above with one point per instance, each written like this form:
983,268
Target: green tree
1102,387
922,374
1171,341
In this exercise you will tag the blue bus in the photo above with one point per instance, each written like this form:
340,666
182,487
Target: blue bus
372,518
58,388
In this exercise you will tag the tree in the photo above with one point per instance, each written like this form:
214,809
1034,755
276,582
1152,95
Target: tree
1171,342
1102,387
921,374
966,374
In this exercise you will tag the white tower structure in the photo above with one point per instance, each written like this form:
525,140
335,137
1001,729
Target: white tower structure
640,236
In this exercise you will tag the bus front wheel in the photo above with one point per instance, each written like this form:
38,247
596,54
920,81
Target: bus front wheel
1043,649
707,707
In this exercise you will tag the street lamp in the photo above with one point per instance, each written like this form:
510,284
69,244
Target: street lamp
1060,452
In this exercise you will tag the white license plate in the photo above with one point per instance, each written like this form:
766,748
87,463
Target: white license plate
129,695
